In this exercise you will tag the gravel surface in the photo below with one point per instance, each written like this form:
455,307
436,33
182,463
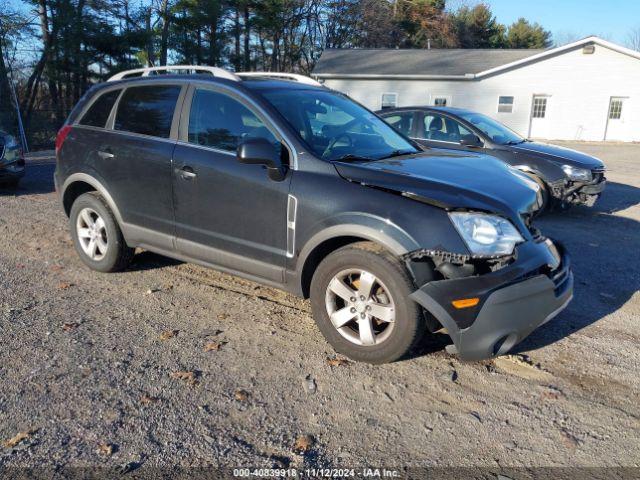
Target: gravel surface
172,364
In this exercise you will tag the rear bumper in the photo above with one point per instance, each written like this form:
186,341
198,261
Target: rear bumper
514,301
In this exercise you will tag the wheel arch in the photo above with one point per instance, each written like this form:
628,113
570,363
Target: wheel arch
80,183
330,239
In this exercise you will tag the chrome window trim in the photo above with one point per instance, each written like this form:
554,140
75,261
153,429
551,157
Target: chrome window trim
204,147
129,134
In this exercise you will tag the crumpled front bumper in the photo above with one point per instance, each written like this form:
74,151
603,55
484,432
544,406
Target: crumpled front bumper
514,301
580,193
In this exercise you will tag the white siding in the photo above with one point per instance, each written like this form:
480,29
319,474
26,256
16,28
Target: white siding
579,87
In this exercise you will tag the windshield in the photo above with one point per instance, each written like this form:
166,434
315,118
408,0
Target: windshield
336,128
493,129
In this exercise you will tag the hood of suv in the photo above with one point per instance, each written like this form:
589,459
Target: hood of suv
451,180
558,154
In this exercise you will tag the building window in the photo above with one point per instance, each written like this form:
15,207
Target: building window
505,104
439,100
389,100
615,109
539,107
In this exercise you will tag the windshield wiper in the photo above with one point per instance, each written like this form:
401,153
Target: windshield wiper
397,153
515,142
350,157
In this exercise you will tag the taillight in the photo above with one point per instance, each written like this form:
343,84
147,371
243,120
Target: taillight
61,137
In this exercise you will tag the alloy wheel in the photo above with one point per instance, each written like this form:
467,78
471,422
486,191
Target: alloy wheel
360,307
92,234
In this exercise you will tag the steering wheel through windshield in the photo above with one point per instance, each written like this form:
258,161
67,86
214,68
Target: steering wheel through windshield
332,143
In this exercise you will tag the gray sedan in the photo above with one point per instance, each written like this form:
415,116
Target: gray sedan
567,177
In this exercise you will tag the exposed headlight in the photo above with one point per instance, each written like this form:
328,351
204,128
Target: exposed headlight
486,234
577,174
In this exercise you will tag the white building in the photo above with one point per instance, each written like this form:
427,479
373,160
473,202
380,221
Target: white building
586,90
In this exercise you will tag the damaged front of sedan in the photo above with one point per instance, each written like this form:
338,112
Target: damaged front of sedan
571,177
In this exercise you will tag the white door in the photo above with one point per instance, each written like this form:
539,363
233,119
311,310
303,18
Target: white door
617,128
539,126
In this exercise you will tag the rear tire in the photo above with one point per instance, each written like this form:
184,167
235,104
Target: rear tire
97,236
380,328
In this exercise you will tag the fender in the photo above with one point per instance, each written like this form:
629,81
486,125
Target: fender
361,225
364,225
95,183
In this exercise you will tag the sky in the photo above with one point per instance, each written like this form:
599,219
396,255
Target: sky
610,19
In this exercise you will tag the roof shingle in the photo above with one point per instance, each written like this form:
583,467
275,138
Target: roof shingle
453,61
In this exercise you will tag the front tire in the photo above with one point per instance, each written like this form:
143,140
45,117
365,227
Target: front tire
360,302
97,236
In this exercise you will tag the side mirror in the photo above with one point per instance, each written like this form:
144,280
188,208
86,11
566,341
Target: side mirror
470,140
260,151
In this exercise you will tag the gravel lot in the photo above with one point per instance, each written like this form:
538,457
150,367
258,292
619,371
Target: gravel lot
88,362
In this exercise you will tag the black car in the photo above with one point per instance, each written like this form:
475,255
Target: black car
299,187
566,176
11,160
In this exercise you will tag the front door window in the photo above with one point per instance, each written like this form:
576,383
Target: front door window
218,121
401,121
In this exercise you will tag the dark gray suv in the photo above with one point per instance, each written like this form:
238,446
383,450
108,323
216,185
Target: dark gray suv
298,187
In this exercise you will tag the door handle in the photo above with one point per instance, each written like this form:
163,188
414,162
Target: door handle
187,173
105,154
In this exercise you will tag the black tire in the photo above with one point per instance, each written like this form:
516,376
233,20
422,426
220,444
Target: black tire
118,254
409,325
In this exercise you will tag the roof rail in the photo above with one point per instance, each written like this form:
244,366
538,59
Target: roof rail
146,71
281,75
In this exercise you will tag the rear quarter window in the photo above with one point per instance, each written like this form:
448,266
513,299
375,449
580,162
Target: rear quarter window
147,110
98,112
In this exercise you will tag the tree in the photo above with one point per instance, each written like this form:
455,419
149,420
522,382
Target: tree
422,23
633,39
522,34
477,28
13,26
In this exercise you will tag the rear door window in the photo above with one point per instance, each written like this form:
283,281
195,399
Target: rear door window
147,110
99,111
442,129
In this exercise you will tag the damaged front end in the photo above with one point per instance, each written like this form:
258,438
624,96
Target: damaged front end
489,303
568,191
